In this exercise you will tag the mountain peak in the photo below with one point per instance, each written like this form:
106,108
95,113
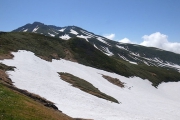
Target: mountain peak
37,23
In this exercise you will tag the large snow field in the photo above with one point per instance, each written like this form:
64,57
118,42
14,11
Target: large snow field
139,99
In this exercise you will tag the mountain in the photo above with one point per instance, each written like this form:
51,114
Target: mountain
132,53
86,75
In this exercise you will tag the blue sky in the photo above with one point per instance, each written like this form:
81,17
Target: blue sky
128,20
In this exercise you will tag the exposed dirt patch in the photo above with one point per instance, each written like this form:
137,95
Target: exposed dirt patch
4,77
152,74
52,56
114,81
6,56
45,58
69,55
85,86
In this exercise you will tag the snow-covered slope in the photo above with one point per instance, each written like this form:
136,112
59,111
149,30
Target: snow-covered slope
139,99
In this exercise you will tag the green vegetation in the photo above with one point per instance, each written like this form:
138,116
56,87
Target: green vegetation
85,86
41,45
86,54
79,50
15,106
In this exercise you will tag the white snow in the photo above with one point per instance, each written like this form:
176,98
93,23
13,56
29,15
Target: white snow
25,30
146,63
62,30
101,39
135,54
124,58
51,34
85,37
161,63
73,32
96,47
139,99
121,47
65,37
107,52
87,33
35,29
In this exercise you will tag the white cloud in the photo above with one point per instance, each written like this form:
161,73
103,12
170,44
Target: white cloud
110,36
125,40
160,41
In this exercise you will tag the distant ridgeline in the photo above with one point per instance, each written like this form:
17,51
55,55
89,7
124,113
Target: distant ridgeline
79,45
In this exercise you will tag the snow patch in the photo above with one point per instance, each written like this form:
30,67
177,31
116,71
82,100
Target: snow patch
87,33
62,30
107,52
135,54
73,32
101,39
121,47
158,62
25,30
96,47
35,29
51,34
85,37
124,58
65,37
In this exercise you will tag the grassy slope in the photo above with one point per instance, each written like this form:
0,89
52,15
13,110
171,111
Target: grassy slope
84,53
16,106
39,44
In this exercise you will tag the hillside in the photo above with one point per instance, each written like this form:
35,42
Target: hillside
44,68
131,53
138,99
81,51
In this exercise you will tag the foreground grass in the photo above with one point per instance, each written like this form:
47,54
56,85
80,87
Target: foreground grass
15,106
85,86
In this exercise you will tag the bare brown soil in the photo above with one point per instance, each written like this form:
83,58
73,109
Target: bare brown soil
152,74
69,56
6,56
114,81
4,77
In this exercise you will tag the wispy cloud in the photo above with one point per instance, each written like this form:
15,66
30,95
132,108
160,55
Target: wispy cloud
160,41
110,36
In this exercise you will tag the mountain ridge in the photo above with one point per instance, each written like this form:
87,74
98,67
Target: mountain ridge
135,54
83,52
